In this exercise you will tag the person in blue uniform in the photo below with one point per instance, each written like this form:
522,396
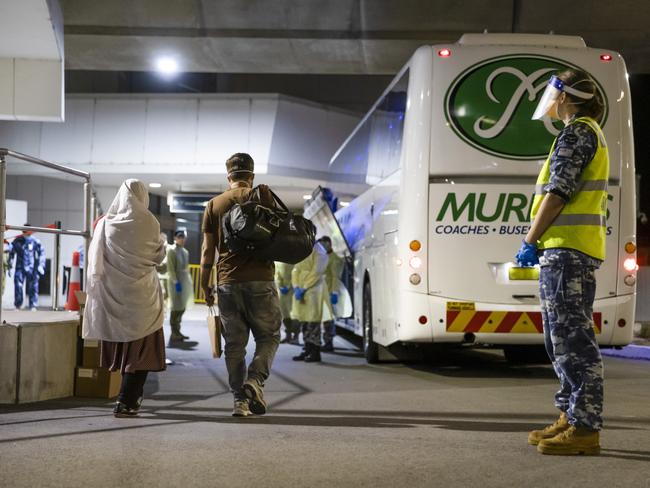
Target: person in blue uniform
30,266
567,240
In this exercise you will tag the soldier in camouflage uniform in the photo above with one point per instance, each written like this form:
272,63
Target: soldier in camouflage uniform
574,177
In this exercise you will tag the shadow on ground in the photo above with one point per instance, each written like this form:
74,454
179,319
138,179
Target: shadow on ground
478,363
468,422
183,345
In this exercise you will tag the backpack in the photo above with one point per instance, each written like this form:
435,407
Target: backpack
268,232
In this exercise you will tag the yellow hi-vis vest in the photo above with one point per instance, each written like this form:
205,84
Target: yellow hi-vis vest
582,223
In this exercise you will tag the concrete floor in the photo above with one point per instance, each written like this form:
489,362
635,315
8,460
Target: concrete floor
460,421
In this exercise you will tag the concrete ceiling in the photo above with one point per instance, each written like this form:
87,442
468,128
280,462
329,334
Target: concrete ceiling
326,36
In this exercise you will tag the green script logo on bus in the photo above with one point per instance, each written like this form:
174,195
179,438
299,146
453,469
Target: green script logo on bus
490,106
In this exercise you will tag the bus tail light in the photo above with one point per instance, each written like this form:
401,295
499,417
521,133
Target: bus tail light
630,247
630,264
423,319
622,323
605,57
415,279
444,53
415,262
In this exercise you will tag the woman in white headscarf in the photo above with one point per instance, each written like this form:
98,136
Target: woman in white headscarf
124,308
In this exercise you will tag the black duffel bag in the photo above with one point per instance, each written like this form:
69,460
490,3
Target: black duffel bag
268,232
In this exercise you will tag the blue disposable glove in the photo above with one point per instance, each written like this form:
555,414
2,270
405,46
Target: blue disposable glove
299,293
527,255
284,290
179,287
41,270
334,298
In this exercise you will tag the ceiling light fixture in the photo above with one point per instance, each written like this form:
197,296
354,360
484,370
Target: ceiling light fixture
167,66
155,185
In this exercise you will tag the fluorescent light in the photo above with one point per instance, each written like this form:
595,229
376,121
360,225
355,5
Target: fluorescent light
344,204
181,221
306,197
155,185
167,65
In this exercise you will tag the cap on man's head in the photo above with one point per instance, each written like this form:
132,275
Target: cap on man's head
179,233
240,163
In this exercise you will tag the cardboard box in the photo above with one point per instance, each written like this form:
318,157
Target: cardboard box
90,354
97,383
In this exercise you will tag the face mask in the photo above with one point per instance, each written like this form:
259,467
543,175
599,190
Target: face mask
552,93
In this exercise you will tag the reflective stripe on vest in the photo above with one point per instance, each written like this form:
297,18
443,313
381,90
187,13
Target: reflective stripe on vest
582,223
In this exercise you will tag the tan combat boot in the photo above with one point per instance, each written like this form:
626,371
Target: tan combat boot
573,441
550,431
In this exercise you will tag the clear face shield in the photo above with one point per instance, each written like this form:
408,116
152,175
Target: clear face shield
552,93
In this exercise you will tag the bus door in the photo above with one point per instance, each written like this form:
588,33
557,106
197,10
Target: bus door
320,213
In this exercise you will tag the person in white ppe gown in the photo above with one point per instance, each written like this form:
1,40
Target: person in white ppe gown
179,284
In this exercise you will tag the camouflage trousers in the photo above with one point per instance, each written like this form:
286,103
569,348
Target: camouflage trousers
311,333
567,292
329,331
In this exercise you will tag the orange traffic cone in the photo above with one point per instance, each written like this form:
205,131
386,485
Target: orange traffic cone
74,285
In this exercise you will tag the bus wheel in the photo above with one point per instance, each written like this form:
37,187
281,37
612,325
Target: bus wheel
526,354
370,348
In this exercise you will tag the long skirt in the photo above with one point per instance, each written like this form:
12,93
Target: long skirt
146,354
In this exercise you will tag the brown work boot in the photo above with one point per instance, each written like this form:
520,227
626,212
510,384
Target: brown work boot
550,431
572,442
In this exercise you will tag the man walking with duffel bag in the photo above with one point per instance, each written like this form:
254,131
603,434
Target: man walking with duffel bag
246,293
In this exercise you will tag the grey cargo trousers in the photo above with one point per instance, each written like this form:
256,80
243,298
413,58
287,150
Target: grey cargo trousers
247,307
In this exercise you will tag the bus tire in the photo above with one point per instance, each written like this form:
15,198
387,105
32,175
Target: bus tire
526,354
370,347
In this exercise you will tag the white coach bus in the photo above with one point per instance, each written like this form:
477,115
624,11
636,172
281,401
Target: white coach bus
448,157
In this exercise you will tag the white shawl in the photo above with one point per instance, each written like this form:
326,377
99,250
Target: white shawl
125,301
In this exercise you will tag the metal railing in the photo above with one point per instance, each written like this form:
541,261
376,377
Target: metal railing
89,210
